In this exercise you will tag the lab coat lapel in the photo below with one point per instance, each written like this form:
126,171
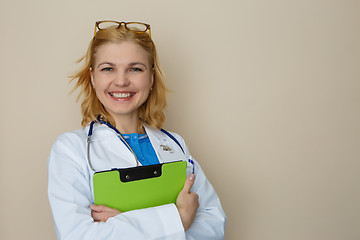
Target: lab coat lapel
166,149
107,151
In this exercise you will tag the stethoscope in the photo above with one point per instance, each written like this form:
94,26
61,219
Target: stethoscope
91,127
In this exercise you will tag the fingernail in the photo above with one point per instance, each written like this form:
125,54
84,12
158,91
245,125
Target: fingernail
191,177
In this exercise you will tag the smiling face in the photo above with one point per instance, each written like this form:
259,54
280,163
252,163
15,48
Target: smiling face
122,77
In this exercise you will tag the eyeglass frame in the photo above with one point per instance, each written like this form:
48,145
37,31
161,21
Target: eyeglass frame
122,23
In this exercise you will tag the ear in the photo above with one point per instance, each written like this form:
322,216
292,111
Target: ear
92,77
152,78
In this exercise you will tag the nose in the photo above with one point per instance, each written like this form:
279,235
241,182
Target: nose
121,79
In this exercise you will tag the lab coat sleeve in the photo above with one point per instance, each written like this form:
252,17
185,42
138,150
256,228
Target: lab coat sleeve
210,219
70,196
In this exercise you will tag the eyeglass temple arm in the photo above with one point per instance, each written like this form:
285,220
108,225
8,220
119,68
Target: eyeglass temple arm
95,29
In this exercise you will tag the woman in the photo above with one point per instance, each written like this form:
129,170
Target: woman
123,92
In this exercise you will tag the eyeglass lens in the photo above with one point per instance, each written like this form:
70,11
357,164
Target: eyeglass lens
130,26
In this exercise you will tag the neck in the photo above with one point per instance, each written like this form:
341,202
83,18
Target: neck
127,125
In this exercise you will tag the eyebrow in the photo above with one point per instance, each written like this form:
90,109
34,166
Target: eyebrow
106,63
113,65
137,63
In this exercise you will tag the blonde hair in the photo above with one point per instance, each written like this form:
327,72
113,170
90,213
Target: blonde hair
151,112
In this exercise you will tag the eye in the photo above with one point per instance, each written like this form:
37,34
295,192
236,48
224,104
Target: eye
136,69
107,69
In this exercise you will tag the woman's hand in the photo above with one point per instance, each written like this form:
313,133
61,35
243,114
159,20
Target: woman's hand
101,213
187,203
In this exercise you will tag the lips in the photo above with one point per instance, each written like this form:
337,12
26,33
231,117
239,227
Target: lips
121,94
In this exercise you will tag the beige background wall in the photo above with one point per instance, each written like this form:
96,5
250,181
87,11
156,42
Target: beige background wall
266,93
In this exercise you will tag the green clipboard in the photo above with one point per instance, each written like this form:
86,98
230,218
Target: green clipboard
139,187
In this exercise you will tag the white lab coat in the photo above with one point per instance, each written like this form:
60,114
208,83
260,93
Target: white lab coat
70,191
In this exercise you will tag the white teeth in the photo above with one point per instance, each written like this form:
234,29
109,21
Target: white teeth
121,95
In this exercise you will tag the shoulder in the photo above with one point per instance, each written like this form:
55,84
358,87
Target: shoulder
68,150
71,140
78,135
177,136
163,133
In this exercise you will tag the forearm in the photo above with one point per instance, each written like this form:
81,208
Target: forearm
209,224
165,224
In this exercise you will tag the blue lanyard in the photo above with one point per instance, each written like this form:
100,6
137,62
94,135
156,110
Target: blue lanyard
126,144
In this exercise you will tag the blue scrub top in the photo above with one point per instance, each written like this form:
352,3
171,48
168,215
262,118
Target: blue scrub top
142,147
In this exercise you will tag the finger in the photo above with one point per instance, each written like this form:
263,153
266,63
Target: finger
189,182
99,217
195,195
94,207
97,208
94,216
